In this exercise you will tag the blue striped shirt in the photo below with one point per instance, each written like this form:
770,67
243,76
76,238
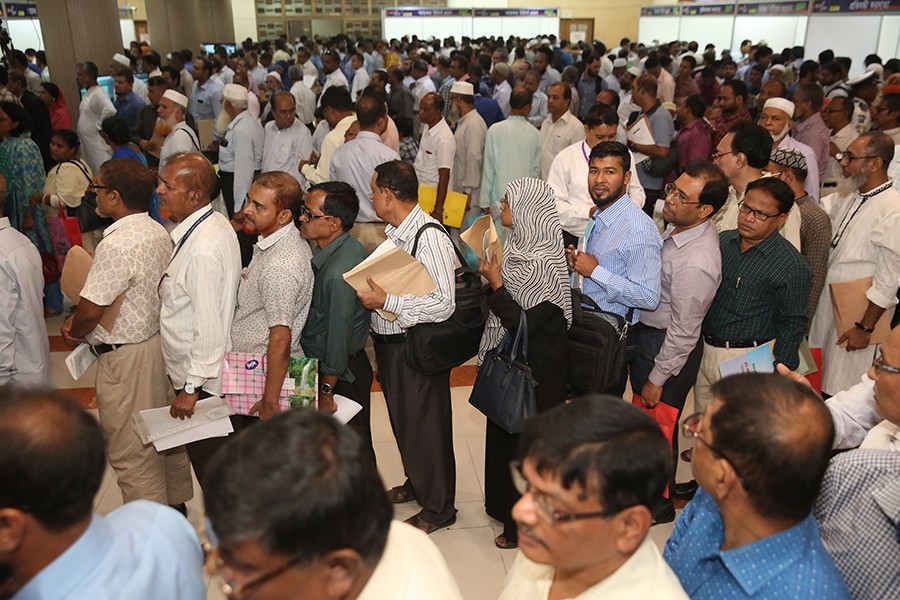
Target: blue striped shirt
627,246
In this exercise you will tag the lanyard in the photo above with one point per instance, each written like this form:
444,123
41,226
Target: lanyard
584,151
188,234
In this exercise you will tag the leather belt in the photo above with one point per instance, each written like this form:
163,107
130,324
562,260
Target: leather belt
732,343
104,348
394,338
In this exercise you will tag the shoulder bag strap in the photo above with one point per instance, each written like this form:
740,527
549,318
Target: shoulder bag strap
190,133
81,168
459,256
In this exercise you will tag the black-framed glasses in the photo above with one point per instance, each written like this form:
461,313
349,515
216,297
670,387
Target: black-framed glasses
547,510
96,186
672,190
237,592
304,212
691,428
842,156
717,155
879,365
757,214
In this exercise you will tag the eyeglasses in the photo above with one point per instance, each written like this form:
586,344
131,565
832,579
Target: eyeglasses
237,592
842,156
879,365
672,190
545,509
717,155
304,212
691,427
757,214
96,186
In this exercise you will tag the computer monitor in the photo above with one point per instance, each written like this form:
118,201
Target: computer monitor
210,47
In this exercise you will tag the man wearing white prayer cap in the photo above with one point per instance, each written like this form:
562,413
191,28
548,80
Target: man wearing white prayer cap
179,137
777,117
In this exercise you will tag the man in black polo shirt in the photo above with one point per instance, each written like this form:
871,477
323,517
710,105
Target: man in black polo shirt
764,290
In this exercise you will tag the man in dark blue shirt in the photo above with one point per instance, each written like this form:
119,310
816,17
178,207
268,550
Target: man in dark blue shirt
128,104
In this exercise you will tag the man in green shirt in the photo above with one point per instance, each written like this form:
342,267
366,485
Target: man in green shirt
338,325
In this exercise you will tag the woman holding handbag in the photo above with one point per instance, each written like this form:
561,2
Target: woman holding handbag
531,277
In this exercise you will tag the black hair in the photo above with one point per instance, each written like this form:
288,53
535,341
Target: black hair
341,201
879,143
756,430
826,56
696,105
337,98
369,109
254,486
738,87
753,141
609,448
68,137
404,126
399,177
811,92
520,97
715,184
52,458
174,73
116,129
131,179
18,114
51,88
777,189
126,73
807,67
601,114
690,60
607,149
90,69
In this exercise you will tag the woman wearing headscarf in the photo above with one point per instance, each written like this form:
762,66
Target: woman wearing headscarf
56,103
534,278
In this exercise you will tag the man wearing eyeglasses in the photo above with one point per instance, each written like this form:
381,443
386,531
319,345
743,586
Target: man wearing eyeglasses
664,346
590,473
765,288
865,243
749,532
131,373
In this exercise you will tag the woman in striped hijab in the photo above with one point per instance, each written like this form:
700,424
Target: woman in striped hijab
533,277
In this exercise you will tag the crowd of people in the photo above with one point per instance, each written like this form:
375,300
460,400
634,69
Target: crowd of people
713,202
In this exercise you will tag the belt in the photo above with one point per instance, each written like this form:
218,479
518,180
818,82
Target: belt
640,325
732,343
830,184
104,348
394,338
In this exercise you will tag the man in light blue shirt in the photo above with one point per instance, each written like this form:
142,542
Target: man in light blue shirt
749,531
206,97
354,162
53,545
620,262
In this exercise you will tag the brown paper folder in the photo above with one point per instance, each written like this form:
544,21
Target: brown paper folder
848,299
73,278
482,238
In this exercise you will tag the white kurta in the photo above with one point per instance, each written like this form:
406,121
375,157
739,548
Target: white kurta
95,106
869,247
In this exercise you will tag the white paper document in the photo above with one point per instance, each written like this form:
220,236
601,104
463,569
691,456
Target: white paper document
346,409
210,419
80,360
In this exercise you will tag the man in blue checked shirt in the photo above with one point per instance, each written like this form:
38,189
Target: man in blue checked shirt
621,263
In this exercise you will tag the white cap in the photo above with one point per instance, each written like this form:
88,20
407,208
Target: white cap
777,68
636,71
781,104
235,92
121,59
877,69
868,75
176,97
619,63
274,74
463,88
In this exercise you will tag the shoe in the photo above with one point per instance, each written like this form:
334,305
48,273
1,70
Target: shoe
419,523
399,495
504,543
665,515
684,491
686,455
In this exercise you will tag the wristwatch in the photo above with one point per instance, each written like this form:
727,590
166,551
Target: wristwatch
864,328
189,388
326,389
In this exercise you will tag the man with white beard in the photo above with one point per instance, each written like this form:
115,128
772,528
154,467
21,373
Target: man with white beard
777,117
170,123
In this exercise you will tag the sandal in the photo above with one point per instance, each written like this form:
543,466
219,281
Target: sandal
399,495
503,543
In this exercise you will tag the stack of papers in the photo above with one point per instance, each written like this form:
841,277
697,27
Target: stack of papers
157,426
482,238
757,360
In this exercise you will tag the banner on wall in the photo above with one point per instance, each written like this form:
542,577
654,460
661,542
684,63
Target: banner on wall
785,7
660,11
855,6
427,12
516,12
691,10
21,10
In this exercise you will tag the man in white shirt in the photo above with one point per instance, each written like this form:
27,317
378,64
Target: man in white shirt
437,149
95,106
345,544
304,97
360,75
549,76
197,290
838,116
569,174
287,140
24,346
502,89
355,161
337,112
584,515
303,59
470,136
171,124
331,64
538,99
560,128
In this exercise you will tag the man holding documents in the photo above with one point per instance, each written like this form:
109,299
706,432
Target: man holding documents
197,290
865,244
651,136
131,374
764,290
419,405
338,325
437,148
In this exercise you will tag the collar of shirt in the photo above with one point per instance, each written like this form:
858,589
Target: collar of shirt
236,120
121,223
811,122
565,118
62,576
408,228
609,215
321,255
422,79
891,132
764,246
268,241
687,236
192,218
888,499
4,223
370,135
437,129
515,118
695,124
845,131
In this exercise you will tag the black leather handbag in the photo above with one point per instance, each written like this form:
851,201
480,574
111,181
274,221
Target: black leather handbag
433,348
86,212
504,388
597,343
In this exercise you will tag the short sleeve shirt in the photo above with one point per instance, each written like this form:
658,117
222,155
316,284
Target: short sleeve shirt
437,149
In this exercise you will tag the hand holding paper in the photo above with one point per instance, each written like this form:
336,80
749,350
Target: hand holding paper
482,238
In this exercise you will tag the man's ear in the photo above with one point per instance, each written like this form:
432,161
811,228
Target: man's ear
632,525
13,524
342,570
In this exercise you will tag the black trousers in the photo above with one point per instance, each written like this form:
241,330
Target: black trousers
644,343
360,391
245,240
421,419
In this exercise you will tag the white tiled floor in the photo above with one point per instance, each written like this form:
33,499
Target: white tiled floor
478,565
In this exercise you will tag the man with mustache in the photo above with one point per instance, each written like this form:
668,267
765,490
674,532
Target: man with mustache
170,123
777,117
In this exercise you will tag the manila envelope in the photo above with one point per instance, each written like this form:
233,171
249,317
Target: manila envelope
482,238
848,299
74,276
